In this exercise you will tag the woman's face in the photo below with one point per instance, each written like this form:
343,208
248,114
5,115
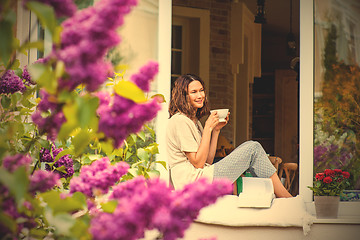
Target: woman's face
196,94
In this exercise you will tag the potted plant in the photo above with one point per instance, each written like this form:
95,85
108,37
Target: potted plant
327,188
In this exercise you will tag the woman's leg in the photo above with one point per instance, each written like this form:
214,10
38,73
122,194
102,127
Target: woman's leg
279,189
249,155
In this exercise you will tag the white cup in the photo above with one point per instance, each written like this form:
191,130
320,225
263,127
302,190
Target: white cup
222,113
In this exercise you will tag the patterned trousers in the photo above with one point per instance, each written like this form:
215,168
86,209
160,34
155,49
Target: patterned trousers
248,156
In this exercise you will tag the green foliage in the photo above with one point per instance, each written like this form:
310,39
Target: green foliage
337,114
58,215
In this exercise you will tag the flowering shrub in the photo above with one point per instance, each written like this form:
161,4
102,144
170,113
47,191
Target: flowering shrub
330,182
78,162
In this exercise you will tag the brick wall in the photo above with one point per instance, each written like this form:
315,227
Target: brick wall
221,83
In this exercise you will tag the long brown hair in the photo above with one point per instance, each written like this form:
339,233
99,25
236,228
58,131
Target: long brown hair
180,97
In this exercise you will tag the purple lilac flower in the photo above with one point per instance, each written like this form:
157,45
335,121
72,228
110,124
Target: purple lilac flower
83,50
145,75
187,203
11,163
125,117
128,188
46,104
49,125
98,176
154,205
66,161
11,83
42,181
133,213
62,8
26,77
9,208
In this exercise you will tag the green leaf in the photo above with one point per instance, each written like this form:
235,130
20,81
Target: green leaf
15,64
141,135
110,206
130,91
45,14
81,141
44,76
143,154
87,110
5,101
6,33
61,222
63,153
159,97
163,163
8,222
64,205
17,182
29,45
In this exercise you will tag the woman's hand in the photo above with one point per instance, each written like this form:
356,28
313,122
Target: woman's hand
220,125
212,121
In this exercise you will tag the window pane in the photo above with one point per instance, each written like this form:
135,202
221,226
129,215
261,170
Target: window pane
176,62
176,37
337,88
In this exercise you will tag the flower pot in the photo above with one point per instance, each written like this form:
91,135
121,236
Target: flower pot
326,206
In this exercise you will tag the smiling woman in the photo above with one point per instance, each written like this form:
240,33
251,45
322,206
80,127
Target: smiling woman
191,147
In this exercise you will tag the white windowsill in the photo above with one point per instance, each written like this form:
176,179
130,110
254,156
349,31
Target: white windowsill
349,213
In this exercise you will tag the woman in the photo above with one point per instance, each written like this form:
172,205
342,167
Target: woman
191,148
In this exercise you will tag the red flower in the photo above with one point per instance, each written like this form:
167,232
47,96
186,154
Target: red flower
319,176
329,172
338,171
327,180
346,174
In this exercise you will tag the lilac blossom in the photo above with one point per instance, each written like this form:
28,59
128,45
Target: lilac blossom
62,8
42,181
154,205
9,207
125,117
146,73
26,77
66,161
11,163
98,176
46,104
11,83
83,51
49,125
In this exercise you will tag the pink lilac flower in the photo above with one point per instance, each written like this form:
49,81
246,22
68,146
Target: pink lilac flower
146,73
154,205
98,176
66,161
11,83
11,163
62,8
83,51
42,181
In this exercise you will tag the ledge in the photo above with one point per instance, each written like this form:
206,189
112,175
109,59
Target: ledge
349,213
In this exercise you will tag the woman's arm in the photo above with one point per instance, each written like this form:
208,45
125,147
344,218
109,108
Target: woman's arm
213,145
199,158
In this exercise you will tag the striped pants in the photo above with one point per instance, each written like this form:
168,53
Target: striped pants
248,156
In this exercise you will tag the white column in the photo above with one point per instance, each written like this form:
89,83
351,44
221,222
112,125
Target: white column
306,99
163,78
